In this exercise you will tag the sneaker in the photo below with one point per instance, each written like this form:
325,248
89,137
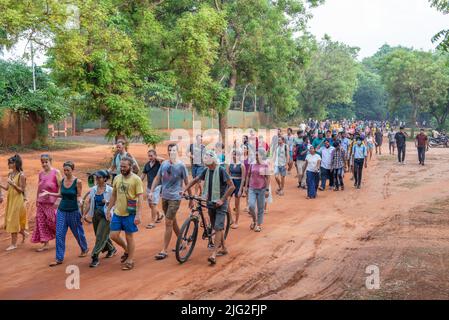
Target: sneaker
95,262
111,253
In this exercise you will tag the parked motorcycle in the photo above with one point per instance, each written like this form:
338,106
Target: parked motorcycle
441,141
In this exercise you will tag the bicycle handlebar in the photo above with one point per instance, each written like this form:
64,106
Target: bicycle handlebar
202,202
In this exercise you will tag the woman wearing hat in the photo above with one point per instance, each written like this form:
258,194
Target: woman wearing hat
98,199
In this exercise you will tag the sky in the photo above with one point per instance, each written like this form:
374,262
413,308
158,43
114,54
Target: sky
369,24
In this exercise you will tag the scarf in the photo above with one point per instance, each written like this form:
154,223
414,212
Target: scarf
215,195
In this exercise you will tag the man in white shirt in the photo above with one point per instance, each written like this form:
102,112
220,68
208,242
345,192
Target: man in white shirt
326,166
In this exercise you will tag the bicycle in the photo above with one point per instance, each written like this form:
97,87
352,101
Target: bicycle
186,241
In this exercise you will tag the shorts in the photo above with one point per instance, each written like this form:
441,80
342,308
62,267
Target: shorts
237,184
393,143
197,170
120,223
156,195
280,170
218,216
170,208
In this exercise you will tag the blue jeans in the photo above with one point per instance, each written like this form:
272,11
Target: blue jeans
257,196
72,220
313,179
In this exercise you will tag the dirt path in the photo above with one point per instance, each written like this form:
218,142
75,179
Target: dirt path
307,250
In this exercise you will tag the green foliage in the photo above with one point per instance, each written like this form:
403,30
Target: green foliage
330,79
16,92
370,100
441,37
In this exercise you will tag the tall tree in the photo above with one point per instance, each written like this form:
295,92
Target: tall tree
331,78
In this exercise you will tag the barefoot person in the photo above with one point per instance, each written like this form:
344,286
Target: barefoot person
172,174
218,187
45,226
237,172
127,200
15,213
150,171
68,214
257,184
98,199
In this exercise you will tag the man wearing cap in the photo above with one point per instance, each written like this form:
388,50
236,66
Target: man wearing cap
218,187
401,141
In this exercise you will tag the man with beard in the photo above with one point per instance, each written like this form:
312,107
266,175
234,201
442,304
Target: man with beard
172,174
218,187
126,199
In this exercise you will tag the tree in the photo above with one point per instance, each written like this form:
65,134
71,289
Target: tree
443,36
331,78
413,78
370,99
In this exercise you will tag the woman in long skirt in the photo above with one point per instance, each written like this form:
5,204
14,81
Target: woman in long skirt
45,227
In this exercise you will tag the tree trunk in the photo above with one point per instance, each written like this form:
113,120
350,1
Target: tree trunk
244,97
223,115
414,116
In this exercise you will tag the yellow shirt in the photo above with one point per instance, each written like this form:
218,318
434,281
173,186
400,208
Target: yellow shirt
126,189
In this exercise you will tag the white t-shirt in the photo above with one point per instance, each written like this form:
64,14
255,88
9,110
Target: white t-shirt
312,162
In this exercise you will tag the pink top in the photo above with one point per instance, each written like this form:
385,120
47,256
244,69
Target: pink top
258,174
47,182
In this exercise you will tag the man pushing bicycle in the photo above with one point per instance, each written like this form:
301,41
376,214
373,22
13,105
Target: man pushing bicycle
218,187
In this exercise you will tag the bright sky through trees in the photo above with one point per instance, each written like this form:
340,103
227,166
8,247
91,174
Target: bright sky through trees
368,24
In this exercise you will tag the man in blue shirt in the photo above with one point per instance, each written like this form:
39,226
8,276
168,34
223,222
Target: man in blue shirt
359,154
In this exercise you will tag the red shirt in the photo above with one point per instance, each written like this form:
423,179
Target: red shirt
422,140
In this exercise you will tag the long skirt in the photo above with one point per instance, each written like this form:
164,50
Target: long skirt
45,228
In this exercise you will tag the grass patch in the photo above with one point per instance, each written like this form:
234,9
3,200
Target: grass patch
50,145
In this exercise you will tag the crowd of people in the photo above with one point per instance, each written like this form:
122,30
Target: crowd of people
319,154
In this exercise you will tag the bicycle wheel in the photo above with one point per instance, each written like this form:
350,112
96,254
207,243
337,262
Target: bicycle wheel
186,239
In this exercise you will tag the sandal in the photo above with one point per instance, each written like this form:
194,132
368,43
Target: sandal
128,266
212,260
124,257
42,249
257,229
55,263
151,226
11,247
161,256
84,254
252,226
222,253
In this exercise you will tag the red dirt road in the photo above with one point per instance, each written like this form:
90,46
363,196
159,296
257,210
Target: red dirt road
308,249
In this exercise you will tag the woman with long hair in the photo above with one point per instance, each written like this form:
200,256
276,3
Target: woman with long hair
15,215
45,227
68,214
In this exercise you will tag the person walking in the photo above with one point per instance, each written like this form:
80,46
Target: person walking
120,153
97,202
45,226
15,214
150,171
127,201
302,149
281,160
378,139
422,144
68,214
401,142
196,152
360,160
312,167
257,184
391,140
237,172
218,187
326,166
338,157
171,175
